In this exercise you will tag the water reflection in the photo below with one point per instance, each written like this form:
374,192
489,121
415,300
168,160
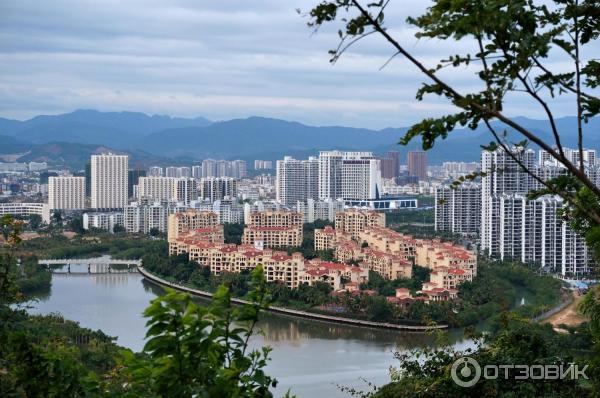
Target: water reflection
308,357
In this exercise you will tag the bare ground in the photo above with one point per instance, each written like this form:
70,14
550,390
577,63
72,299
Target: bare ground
569,315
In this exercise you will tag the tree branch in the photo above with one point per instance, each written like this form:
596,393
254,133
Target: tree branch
566,86
477,106
578,93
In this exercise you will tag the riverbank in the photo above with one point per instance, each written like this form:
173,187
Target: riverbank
302,314
568,315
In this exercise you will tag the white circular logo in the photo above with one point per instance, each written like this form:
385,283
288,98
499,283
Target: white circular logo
465,372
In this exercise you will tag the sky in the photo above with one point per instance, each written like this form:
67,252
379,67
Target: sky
217,59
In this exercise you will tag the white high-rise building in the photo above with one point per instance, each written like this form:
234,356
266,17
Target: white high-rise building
197,172
66,193
218,188
330,172
458,210
155,171
156,188
209,168
320,209
103,220
530,231
503,175
142,217
239,169
572,155
361,179
109,181
296,180
185,190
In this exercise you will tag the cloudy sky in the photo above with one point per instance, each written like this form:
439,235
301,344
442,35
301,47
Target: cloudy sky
218,59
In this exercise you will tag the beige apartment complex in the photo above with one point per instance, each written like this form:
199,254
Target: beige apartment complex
183,222
391,254
292,270
274,229
353,221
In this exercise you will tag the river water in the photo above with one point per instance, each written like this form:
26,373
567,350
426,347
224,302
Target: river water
309,357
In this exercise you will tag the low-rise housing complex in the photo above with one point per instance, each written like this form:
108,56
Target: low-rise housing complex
189,220
371,248
391,254
353,221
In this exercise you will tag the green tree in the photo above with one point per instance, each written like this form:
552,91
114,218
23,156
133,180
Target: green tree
191,350
35,221
513,43
194,350
76,225
57,218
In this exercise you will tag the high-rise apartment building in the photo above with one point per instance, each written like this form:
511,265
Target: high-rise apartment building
197,172
224,168
417,164
239,169
178,172
361,179
502,175
390,164
66,193
144,216
133,179
314,210
155,171
109,181
185,190
458,210
218,188
209,168
156,188
263,164
296,180
572,155
531,231
331,173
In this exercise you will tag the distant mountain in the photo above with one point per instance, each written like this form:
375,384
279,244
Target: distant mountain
71,155
12,145
74,156
254,137
118,129
263,138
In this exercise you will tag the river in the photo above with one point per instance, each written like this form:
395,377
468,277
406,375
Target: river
309,357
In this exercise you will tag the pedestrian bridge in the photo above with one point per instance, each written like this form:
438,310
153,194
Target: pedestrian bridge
93,265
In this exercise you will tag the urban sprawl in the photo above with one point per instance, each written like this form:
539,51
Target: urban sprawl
354,191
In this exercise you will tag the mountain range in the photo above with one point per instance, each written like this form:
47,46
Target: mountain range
68,139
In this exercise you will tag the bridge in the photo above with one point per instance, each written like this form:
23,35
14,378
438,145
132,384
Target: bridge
94,265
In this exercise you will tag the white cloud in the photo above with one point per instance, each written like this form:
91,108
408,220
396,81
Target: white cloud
218,59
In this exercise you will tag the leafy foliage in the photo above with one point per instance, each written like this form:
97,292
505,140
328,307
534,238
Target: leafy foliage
191,350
